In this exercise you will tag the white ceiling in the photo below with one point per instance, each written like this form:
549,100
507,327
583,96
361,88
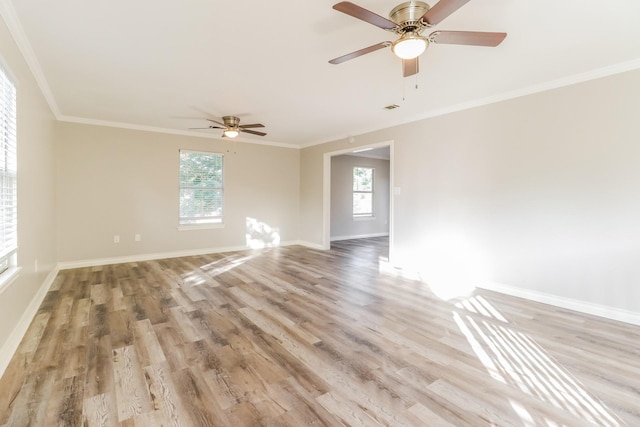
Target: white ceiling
166,65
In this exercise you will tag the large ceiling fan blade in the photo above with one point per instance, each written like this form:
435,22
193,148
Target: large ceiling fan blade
217,122
365,15
441,10
210,127
254,125
474,38
352,55
410,67
254,132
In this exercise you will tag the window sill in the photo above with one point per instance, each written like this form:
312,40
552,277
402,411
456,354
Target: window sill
364,218
188,227
8,277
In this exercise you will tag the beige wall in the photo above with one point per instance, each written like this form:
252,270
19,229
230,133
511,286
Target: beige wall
124,182
343,224
311,193
36,204
539,192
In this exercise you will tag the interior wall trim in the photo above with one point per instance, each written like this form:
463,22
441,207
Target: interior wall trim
586,76
568,303
10,346
65,265
311,245
14,25
154,129
358,236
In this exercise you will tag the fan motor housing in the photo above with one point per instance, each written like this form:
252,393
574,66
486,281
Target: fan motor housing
407,15
231,121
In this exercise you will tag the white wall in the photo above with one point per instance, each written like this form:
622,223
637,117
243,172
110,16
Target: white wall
538,193
343,225
36,203
125,182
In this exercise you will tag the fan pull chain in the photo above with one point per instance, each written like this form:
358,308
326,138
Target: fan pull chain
416,86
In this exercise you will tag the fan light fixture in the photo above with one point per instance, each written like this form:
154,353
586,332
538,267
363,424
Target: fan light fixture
232,127
230,133
410,45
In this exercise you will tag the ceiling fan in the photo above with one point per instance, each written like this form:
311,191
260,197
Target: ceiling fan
409,20
232,127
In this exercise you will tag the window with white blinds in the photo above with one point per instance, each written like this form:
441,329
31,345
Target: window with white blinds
201,188
8,166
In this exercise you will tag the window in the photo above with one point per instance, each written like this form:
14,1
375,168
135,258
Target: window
8,166
362,192
201,188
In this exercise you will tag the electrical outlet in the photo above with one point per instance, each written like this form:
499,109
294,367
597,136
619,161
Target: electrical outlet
137,238
116,238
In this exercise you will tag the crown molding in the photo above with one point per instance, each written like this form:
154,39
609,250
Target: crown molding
529,90
10,17
144,128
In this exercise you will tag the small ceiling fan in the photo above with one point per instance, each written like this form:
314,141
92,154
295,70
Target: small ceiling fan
409,20
232,127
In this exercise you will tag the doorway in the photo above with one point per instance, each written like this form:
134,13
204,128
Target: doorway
348,226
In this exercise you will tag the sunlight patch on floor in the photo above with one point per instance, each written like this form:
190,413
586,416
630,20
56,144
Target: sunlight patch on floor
512,357
225,264
193,279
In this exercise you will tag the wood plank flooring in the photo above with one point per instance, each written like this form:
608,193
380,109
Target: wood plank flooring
295,337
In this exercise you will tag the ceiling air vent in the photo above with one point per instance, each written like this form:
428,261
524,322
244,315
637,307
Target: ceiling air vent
391,107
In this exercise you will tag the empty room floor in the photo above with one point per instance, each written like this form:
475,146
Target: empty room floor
293,336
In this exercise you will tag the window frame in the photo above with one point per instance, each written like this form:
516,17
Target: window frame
204,222
354,192
8,177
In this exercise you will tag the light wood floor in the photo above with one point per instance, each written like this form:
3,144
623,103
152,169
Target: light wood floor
293,336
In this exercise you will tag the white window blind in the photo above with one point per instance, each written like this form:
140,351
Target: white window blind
8,167
201,187
362,191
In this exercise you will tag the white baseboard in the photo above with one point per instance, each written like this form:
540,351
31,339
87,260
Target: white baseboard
310,245
568,303
13,341
580,306
359,236
158,255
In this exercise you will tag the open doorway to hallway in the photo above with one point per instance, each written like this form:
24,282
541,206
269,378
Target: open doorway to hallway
358,194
